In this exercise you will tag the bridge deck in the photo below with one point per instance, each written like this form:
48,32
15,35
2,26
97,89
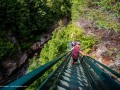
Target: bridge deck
73,78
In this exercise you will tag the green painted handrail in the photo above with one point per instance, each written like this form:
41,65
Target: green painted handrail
107,68
103,75
29,78
59,69
70,44
93,85
88,63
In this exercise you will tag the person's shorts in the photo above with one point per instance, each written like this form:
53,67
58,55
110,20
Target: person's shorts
74,59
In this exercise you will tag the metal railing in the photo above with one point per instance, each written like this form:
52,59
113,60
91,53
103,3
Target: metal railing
97,76
24,81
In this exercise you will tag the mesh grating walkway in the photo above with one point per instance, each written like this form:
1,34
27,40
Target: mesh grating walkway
73,78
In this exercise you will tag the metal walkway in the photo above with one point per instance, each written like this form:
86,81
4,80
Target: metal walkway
73,78
87,74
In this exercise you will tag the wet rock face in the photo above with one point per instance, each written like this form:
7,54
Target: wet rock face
106,51
23,59
101,54
109,43
101,49
9,67
18,67
115,37
16,64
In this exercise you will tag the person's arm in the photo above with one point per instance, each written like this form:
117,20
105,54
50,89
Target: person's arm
84,54
72,48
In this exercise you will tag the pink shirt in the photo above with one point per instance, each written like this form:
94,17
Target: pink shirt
75,52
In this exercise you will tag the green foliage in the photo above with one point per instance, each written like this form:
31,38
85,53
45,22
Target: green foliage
6,48
104,20
27,19
77,9
118,56
105,13
59,43
34,65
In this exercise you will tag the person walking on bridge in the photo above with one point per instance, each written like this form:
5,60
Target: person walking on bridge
75,52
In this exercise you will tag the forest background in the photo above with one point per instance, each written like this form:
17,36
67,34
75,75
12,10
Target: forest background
24,22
